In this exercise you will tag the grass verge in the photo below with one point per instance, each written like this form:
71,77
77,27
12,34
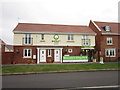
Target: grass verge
61,67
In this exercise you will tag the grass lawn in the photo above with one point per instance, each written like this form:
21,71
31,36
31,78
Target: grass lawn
44,68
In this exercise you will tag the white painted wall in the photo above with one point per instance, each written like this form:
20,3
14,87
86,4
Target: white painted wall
49,37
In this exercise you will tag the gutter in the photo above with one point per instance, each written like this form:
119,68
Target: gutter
54,33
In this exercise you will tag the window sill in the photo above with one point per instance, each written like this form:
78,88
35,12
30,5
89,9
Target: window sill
70,41
42,40
27,57
109,44
85,45
110,56
27,44
49,56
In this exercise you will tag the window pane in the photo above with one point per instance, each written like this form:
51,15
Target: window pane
71,37
29,40
25,40
113,53
68,37
49,52
107,53
29,51
25,52
110,52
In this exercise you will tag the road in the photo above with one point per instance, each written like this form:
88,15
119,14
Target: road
62,80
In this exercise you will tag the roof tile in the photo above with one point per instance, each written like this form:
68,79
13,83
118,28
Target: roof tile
30,27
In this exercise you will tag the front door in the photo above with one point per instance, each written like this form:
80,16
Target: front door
56,55
42,55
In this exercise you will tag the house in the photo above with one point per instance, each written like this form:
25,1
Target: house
2,43
6,53
107,40
50,43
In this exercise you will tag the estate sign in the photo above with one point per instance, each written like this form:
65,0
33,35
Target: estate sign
75,58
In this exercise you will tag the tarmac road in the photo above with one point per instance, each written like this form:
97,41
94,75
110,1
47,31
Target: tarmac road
62,80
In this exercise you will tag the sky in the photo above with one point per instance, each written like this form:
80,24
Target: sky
68,12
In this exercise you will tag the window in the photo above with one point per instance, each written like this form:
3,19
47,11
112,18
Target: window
27,39
85,40
42,36
70,37
49,52
27,53
107,28
42,52
109,41
110,52
69,50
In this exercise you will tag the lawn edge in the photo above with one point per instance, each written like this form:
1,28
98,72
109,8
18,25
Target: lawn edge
66,71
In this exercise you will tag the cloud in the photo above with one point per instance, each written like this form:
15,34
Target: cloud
75,12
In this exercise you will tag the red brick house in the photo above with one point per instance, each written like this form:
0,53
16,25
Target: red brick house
49,43
6,51
107,39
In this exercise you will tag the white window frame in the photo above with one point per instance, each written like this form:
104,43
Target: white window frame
70,50
109,51
42,37
108,39
70,37
85,40
27,36
27,53
49,52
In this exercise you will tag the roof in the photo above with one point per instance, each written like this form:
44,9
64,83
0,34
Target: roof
2,42
30,27
9,47
113,26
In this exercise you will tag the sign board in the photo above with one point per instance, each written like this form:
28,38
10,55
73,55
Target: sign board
101,60
75,58
56,37
34,56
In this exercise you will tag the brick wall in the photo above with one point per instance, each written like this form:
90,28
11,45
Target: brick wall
7,57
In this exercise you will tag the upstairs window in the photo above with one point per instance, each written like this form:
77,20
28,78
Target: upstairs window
70,37
27,39
42,36
85,40
109,41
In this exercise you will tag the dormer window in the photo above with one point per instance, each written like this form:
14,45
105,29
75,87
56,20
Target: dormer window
107,28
